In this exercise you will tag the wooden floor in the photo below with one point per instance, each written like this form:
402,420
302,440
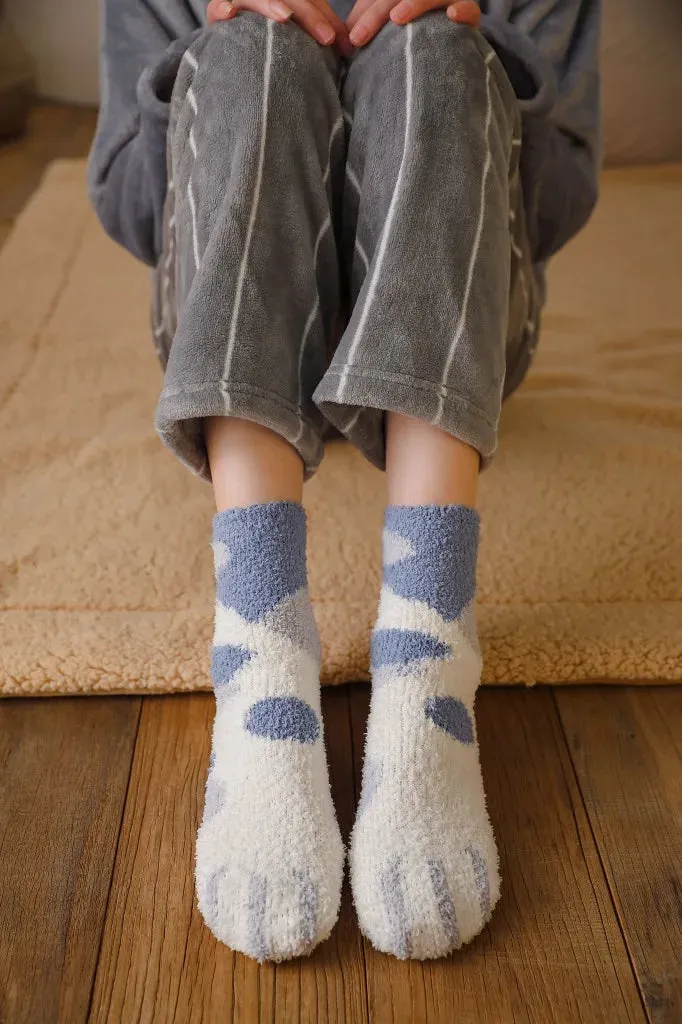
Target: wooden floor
100,800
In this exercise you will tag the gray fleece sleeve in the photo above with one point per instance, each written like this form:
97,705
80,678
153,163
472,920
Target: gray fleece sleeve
142,42
550,50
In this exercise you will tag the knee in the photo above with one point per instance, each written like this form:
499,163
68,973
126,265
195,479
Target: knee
454,74
446,59
235,55
435,33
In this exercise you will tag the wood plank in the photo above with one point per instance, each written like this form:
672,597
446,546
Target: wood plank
330,985
553,951
158,960
626,745
64,768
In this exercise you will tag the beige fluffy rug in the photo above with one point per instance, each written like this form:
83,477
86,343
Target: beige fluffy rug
105,565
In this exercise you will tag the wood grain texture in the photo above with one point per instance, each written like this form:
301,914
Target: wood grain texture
330,985
553,951
626,745
64,767
158,961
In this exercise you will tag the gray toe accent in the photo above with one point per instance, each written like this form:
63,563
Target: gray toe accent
450,715
294,619
446,907
283,718
371,777
210,900
482,881
469,626
308,907
391,882
225,694
214,799
258,890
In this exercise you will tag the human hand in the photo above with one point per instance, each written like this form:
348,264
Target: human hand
314,16
368,16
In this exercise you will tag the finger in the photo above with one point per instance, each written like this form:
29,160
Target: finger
317,19
303,12
342,41
307,14
313,21
328,12
356,13
408,10
465,12
374,19
276,10
219,10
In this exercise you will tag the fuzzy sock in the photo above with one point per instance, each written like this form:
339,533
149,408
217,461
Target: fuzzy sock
270,857
424,865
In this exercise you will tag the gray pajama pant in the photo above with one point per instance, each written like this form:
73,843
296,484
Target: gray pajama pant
342,239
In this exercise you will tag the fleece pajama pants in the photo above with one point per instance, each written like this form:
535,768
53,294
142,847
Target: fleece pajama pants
342,238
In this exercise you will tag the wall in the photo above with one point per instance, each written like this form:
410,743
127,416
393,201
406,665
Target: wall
642,71
61,37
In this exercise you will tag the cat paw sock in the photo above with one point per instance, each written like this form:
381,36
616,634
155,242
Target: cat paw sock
269,859
424,866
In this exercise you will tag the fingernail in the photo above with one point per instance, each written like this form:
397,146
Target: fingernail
280,10
325,34
226,7
403,10
359,35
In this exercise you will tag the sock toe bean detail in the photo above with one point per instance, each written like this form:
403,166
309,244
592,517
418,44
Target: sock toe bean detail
269,857
446,907
424,866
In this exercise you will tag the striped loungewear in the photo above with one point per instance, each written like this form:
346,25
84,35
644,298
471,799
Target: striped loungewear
342,238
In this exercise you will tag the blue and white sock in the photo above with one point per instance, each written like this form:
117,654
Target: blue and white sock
424,866
270,857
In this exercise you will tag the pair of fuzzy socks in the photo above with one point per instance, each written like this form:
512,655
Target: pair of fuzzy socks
270,856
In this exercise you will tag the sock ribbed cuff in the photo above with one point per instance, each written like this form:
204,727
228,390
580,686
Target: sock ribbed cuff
260,556
430,554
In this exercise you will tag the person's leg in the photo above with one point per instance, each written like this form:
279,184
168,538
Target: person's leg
427,466
251,464
445,304
417,384
255,137
423,857
248,286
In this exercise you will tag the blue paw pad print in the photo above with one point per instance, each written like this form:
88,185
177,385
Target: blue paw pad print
283,718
